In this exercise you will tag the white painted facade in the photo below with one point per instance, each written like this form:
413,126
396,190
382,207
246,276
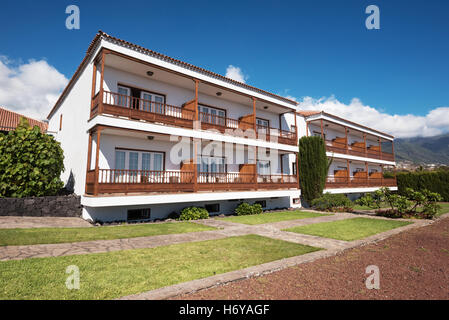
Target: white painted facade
70,122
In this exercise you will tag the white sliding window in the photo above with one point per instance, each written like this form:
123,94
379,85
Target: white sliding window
152,102
124,96
212,115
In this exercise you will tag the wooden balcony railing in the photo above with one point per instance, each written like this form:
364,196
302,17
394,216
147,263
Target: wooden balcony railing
142,109
129,181
338,147
274,134
344,182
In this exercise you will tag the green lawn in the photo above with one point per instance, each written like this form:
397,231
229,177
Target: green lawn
349,229
60,235
272,217
115,274
444,208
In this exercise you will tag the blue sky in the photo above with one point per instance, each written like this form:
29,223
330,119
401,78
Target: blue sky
300,48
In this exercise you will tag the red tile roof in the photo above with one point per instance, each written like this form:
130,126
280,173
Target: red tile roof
161,56
9,120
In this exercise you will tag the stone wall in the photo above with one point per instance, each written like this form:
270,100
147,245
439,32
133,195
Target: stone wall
55,206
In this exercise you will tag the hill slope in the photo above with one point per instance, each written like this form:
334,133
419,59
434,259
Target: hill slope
423,150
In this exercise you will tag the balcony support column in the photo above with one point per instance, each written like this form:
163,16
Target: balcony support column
296,129
94,84
347,141
349,172
392,150
380,148
364,142
367,176
196,120
382,175
195,165
101,93
307,128
97,156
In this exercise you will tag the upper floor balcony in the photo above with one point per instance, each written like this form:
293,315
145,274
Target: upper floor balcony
125,87
348,140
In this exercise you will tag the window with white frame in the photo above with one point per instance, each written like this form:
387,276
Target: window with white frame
263,167
212,115
138,166
152,102
123,98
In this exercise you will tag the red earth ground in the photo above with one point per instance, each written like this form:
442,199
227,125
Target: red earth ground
413,265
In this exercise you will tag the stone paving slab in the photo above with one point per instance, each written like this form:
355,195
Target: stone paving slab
12,222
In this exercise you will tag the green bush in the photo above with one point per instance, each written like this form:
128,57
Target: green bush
31,163
434,181
193,213
332,202
405,206
313,167
246,209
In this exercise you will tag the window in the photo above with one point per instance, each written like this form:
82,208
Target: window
139,214
143,166
211,164
60,122
296,200
211,208
123,96
294,167
152,102
262,125
263,167
263,203
212,115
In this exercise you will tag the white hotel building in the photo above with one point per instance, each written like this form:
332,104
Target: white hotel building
145,135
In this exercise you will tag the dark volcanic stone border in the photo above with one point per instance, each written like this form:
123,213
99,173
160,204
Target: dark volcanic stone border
54,206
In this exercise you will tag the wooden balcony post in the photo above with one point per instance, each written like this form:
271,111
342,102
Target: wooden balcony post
197,82
101,97
94,84
296,128
392,150
381,174
349,172
254,116
195,165
307,128
364,141
380,148
97,156
346,138
256,175
366,170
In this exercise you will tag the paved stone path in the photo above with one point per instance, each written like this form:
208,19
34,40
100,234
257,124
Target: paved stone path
42,222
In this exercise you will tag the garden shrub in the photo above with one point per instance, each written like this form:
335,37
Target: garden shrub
313,167
434,181
332,202
406,206
246,209
193,213
31,163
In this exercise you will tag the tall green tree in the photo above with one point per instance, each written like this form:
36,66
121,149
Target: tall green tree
313,167
31,163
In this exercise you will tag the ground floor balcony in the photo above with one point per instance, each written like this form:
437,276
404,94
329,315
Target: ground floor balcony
114,181
351,182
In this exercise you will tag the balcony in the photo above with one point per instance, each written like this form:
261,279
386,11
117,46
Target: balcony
140,109
113,181
339,145
351,182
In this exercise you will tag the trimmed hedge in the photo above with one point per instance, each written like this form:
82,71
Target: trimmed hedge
246,209
332,202
434,181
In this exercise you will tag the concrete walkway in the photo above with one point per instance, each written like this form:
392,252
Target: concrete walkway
42,222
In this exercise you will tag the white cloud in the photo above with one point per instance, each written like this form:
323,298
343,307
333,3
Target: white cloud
235,73
30,88
401,126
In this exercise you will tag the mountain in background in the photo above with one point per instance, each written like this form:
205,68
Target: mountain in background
423,150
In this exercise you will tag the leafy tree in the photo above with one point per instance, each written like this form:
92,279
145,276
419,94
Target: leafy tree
30,163
313,167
